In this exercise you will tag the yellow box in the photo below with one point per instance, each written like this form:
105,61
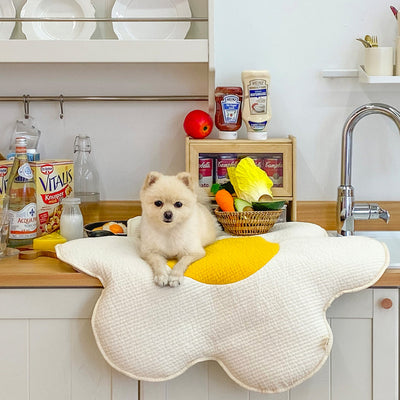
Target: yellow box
54,180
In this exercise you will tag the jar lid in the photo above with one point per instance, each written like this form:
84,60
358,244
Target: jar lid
71,200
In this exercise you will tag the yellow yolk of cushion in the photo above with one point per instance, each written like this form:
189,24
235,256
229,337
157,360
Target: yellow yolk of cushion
231,260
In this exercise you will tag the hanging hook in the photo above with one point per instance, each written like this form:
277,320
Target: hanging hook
26,105
61,106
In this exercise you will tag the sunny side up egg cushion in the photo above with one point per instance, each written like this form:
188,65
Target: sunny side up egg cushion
266,326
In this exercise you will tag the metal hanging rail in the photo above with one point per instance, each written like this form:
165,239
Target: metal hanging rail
103,98
26,99
106,19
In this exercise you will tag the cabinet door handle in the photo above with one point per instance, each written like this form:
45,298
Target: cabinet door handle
386,303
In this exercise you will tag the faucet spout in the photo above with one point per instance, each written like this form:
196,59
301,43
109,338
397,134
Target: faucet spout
346,214
347,134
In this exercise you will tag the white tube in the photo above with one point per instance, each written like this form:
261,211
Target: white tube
256,111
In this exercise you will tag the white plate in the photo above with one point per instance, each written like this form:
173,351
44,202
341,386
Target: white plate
7,10
61,9
150,9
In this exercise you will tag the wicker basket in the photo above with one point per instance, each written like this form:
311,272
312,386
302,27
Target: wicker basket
247,223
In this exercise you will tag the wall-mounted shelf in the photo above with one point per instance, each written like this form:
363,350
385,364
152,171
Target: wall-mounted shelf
104,51
364,78
360,74
340,73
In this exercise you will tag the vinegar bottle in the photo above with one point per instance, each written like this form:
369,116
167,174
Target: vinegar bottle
86,178
22,194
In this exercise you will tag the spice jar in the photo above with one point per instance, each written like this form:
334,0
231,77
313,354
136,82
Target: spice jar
228,113
71,222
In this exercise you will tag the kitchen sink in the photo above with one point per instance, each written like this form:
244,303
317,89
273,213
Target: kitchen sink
392,241
390,238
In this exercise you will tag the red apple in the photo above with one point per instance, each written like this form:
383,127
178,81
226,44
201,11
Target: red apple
198,124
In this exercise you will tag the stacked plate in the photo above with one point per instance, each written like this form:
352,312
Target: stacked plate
7,10
61,9
151,9
72,30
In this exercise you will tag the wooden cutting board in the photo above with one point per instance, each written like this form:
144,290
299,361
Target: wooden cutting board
31,254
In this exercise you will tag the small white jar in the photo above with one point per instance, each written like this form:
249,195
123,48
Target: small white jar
71,222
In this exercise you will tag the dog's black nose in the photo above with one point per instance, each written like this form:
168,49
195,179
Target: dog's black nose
168,215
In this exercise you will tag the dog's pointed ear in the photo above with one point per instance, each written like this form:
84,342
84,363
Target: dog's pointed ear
186,178
151,178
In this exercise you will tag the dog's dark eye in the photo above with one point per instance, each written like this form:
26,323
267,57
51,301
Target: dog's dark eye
178,204
158,203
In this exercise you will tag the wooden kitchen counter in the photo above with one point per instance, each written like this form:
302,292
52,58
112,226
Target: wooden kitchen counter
50,272
42,272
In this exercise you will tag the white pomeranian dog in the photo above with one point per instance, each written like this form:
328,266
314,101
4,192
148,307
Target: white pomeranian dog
175,224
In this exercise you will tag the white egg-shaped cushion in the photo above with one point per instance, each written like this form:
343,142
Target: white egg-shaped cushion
268,331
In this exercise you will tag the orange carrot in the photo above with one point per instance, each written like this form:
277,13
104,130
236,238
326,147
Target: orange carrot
225,200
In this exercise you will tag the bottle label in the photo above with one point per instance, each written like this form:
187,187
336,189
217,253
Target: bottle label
4,175
25,171
230,108
23,223
258,91
258,126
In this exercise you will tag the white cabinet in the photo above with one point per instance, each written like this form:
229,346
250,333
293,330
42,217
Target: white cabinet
104,51
104,47
47,352
365,355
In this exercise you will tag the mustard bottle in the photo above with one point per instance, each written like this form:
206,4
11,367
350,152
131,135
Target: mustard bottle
256,111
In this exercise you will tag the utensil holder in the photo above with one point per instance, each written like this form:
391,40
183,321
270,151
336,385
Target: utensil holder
379,61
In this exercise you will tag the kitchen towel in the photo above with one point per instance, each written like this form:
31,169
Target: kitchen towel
268,331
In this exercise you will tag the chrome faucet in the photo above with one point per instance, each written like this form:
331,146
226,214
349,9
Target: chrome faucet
346,211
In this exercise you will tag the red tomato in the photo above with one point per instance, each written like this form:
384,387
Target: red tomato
198,124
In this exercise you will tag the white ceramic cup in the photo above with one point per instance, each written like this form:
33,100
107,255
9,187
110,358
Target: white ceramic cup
379,61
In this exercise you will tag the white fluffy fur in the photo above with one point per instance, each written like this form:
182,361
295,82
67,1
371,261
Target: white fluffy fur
174,224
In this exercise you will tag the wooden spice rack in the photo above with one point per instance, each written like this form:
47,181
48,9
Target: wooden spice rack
283,146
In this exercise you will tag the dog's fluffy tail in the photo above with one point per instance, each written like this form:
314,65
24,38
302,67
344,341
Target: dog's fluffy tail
203,198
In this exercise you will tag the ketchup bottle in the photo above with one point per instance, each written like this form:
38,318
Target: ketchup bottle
228,113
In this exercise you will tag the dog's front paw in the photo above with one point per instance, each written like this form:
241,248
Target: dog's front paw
175,280
161,275
161,280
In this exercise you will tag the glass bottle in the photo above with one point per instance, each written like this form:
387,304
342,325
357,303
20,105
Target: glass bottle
21,190
86,177
71,223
